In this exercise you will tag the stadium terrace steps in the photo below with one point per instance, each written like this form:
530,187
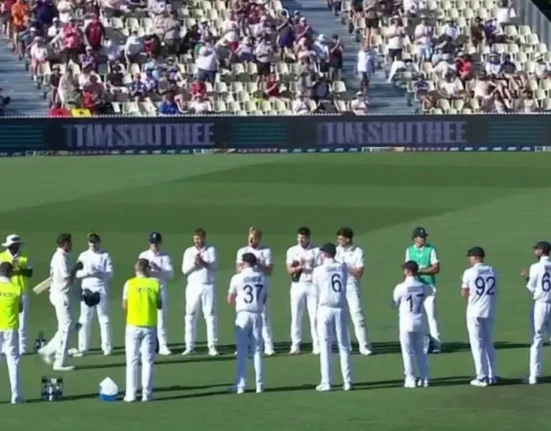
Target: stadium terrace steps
16,83
384,98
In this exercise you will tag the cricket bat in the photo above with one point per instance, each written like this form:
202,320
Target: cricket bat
42,286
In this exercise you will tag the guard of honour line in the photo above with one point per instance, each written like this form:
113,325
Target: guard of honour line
325,282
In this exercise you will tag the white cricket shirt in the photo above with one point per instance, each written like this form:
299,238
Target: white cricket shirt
60,270
163,261
262,253
409,297
330,281
200,274
251,289
97,270
311,257
481,280
539,282
351,257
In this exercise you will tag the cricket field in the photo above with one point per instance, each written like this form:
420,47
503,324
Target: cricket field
501,202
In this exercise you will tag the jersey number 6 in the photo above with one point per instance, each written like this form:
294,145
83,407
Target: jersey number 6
249,292
546,282
336,283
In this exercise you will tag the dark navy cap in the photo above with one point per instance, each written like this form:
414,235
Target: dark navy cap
155,238
329,248
420,232
476,252
249,258
543,246
94,238
412,266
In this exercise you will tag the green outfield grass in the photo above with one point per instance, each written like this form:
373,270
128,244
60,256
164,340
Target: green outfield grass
498,201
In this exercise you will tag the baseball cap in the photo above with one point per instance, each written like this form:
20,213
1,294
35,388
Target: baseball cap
94,238
12,240
420,232
476,252
249,258
543,246
329,248
411,265
155,238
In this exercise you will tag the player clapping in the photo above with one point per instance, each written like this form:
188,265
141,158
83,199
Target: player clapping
199,266
409,297
480,287
538,283
248,293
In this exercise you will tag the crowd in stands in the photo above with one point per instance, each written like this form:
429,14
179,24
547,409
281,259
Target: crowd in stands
149,57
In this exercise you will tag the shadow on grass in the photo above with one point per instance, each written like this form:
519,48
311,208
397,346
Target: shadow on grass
173,360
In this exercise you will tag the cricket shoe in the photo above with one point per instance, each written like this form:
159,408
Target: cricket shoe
480,383
323,387
147,398
410,384
423,383
46,357
76,353
235,390
528,380
366,351
347,387
188,352
259,389
60,367
269,352
165,351
294,351
107,352
17,400
213,351
129,399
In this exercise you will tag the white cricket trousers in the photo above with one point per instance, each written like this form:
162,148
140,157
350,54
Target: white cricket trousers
430,311
540,326
23,324
200,297
331,322
248,334
411,343
139,341
58,345
9,343
86,319
303,295
162,320
357,316
482,346
267,330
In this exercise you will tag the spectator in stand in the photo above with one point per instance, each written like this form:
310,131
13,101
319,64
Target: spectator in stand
321,91
171,33
359,105
451,88
151,83
303,29
111,50
321,50
57,110
54,30
451,29
508,67
478,35
5,9
169,106
505,13
263,54
493,65
207,64
366,65
113,8
245,50
19,12
71,40
39,54
445,65
55,78
424,34
272,86
115,80
137,89
465,67
67,87
66,10
200,105
198,88
396,35
542,68
285,38
307,73
94,34
301,105
85,77
190,40
152,45
89,59
336,51
133,48
45,11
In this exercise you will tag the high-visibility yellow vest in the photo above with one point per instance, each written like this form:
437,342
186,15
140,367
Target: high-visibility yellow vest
10,297
22,263
142,296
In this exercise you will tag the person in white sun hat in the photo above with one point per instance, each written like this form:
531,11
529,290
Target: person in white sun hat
22,272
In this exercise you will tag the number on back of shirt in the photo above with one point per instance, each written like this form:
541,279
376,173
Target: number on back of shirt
415,302
252,292
485,285
336,282
546,282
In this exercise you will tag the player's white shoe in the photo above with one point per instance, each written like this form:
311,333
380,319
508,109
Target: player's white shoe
146,398
165,351
294,351
129,399
316,351
423,383
46,357
410,384
347,387
529,380
75,353
259,389
481,383
59,367
17,400
365,351
269,352
322,387
235,390
213,351
187,352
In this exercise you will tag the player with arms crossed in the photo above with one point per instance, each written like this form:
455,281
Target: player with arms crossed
538,283
409,297
141,300
264,263
429,265
199,266
479,286
248,294
352,257
330,281
160,268
301,260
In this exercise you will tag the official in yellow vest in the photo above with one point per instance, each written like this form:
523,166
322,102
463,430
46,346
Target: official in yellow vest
22,272
11,304
141,298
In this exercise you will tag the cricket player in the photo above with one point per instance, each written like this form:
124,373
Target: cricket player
301,260
352,257
248,294
480,287
60,297
330,281
141,300
22,272
199,265
429,265
408,298
264,262
538,283
11,304
160,267
94,276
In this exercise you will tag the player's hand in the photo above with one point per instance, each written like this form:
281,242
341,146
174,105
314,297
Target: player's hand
524,273
154,266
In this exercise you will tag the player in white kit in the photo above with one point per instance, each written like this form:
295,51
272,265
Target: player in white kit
199,265
330,281
352,257
409,297
538,283
480,287
248,293
264,263
301,260
160,268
